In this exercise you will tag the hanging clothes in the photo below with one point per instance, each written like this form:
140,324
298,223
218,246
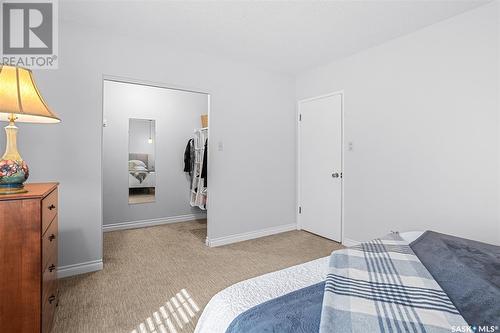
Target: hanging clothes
188,154
204,168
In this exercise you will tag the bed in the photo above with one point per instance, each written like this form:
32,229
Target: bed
141,171
291,300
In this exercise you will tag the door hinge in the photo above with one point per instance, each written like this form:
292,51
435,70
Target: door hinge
300,210
300,117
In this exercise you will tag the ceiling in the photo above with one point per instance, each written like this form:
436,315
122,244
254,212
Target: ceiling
283,36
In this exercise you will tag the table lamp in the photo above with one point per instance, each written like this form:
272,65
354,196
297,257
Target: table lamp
20,101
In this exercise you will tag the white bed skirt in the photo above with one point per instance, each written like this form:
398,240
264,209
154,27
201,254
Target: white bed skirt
149,181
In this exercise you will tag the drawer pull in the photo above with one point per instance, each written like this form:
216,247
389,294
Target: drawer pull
52,237
52,207
52,298
52,267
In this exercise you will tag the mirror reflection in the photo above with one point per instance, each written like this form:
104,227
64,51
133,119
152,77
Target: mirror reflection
141,161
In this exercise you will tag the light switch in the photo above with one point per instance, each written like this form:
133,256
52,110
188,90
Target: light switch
220,146
350,146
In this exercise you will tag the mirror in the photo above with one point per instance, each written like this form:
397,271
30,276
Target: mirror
141,161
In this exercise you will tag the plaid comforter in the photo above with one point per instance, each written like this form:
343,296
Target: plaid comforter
381,286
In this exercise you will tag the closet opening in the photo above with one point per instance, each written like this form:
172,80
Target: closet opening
155,156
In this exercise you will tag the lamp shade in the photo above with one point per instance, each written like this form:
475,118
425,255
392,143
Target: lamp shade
19,96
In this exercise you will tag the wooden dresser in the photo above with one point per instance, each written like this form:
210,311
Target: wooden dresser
28,259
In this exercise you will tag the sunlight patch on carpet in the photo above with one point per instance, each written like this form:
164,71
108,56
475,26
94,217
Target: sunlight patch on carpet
172,316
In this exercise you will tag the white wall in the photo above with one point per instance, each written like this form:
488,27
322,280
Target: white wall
422,113
176,114
252,181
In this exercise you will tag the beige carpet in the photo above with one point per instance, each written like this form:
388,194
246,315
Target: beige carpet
145,268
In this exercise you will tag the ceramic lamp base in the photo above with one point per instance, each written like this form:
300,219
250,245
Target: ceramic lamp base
13,170
12,189
13,174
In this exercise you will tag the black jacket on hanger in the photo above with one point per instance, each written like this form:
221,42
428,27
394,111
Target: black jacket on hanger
187,156
204,168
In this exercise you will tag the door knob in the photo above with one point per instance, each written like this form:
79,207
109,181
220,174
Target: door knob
335,175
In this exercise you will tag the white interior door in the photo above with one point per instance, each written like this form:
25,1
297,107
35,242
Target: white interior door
320,166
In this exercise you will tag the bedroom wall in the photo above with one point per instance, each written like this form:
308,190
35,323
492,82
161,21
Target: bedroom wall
252,180
422,114
176,114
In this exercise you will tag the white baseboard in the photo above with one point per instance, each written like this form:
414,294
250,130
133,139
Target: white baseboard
250,235
84,267
152,222
350,242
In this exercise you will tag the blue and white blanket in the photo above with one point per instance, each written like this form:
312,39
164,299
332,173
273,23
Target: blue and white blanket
381,286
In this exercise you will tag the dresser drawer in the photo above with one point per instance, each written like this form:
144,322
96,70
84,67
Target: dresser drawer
49,245
49,304
49,209
49,279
